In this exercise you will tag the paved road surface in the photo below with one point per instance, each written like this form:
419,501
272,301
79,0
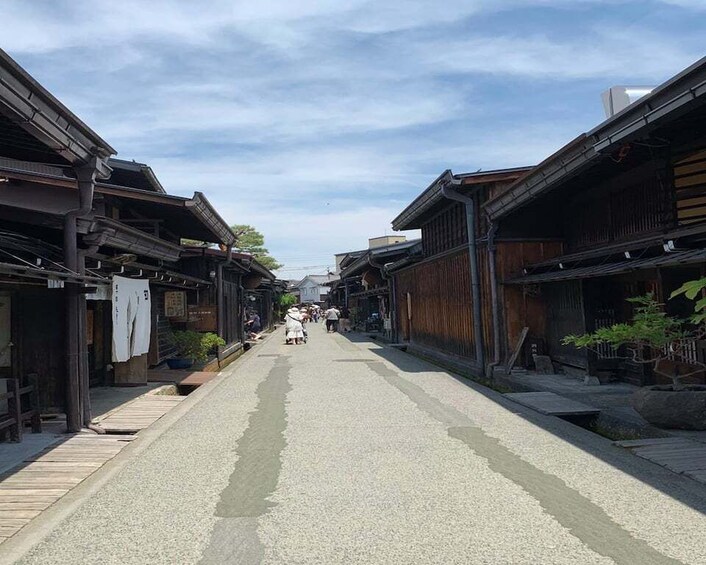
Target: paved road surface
340,451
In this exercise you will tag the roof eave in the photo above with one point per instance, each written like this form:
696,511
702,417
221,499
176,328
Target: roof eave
202,208
685,88
405,219
413,216
35,109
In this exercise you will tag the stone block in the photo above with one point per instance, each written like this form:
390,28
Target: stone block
543,364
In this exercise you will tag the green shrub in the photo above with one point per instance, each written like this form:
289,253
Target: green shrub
196,345
651,337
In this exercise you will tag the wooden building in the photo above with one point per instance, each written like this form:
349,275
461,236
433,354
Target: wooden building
242,285
365,286
448,304
623,210
183,296
73,219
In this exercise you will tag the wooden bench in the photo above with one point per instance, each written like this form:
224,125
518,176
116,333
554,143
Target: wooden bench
17,414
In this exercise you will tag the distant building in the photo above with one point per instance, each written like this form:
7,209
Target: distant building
385,240
313,288
373,243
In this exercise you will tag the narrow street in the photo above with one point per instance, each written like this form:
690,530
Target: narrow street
342,451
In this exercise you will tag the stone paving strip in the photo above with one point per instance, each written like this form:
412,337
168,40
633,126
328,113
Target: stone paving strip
43,478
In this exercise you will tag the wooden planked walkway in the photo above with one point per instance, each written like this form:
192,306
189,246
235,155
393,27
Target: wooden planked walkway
139,413
677,454
551,404
45,477
178,377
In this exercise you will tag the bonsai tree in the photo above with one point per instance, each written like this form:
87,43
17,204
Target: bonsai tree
196,345
651,337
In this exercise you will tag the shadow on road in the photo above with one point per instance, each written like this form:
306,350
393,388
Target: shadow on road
676,486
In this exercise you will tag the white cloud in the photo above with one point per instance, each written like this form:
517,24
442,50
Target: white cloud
691,4
275,108
610,52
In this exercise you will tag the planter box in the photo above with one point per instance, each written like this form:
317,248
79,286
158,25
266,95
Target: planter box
177,363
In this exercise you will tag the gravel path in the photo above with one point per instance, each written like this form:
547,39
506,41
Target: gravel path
341,451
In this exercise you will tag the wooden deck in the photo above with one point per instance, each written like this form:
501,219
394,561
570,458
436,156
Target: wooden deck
181,378
139,413
677,454
45,477
552,404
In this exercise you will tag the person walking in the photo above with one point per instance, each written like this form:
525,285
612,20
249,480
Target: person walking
344,320
332,315
293,326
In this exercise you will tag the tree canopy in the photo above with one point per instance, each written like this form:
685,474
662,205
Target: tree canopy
249,240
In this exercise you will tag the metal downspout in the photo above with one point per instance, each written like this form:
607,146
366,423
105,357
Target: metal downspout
451,194
87,414
494,292
388,278
393,301
75,341
220,291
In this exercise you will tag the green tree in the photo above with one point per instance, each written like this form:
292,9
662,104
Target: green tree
651,337
283,302
252,241
693,290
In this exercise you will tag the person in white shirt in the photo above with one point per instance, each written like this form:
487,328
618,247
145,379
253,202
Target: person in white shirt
332,315
294,327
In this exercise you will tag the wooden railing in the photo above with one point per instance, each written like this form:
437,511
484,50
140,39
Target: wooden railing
17,415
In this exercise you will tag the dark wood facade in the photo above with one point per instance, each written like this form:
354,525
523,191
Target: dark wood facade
72,218
433,297
434,304
627,202
366,289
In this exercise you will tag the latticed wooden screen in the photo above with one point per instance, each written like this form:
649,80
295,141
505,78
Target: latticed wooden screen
690,185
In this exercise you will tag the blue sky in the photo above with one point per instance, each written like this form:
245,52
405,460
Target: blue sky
318,122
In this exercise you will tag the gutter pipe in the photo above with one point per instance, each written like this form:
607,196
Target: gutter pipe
86,412
391,291
393,299
492,231
220,291
75,340
449,192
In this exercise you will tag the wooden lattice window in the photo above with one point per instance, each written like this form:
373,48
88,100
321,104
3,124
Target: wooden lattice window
690,187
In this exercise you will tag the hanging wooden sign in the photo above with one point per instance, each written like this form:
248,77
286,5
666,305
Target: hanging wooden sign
175,304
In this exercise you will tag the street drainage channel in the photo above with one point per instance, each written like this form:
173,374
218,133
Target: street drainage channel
613,428
584,416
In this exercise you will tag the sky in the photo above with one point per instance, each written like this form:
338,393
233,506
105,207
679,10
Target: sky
319,121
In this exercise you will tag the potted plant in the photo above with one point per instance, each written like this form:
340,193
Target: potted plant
654,338
192,346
